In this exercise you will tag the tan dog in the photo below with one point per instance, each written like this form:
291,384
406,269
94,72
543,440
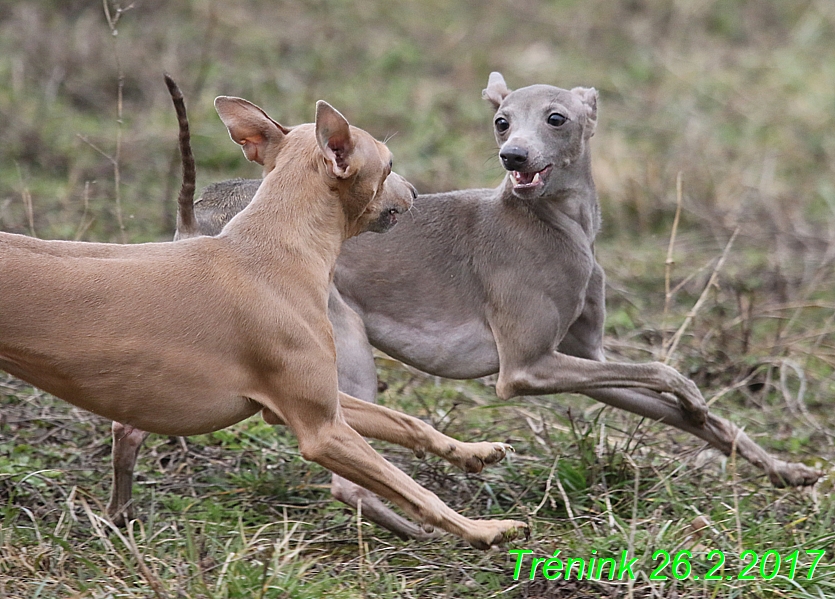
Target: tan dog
190,337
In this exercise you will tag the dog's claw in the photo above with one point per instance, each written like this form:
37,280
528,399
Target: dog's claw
502,450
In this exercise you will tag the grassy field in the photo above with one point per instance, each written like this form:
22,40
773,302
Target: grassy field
735,99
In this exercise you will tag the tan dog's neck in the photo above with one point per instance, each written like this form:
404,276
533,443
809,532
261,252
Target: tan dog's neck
314,229
340,169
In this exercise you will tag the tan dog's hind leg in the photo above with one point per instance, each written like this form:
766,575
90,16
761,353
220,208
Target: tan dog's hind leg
126,443
378,422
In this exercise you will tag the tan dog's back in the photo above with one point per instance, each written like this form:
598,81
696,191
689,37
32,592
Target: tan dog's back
130,356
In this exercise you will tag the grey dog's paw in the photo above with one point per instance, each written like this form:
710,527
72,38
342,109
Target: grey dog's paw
793,474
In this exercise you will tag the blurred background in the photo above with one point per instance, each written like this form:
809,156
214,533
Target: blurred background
736,98
737,95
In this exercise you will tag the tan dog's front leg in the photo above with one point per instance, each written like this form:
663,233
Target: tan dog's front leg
342,450
378,422
372,508
325,438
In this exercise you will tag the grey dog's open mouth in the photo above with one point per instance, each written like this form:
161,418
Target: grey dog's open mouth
386,220
529,180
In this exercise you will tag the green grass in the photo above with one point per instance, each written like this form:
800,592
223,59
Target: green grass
738,97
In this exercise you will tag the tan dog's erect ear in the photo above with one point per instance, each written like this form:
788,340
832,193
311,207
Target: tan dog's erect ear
249,126
588,95
496,90
333,134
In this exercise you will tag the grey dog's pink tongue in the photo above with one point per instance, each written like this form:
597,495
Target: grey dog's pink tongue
525,178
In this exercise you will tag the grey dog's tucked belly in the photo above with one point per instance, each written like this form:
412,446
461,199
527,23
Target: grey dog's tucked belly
456,351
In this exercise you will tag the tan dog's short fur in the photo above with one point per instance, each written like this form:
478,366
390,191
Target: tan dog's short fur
189,337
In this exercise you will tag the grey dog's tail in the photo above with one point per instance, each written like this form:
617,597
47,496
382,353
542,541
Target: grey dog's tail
186,224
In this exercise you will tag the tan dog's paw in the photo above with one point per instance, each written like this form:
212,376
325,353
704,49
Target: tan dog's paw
496,532
473,457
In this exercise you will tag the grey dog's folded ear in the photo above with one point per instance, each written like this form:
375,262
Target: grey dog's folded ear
496,90
588,95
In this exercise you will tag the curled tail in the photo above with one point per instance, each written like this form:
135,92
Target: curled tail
186,224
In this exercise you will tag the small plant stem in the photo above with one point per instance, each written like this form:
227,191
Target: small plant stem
669,263
112,20
673,344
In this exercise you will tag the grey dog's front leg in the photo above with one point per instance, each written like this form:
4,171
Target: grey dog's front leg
718,432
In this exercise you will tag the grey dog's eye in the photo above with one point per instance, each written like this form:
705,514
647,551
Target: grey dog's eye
556,119
502,125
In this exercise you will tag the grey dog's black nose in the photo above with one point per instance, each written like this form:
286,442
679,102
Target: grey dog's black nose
513,157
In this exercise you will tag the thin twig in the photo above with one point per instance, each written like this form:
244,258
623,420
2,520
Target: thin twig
85,223
117,175
669,263
633,525
149,576
673,344
360,544
568,509
27,201
734,484
798,404
547,486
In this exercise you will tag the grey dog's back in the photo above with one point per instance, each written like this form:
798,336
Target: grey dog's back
219,202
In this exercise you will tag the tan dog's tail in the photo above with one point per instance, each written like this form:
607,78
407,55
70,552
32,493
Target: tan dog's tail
186,224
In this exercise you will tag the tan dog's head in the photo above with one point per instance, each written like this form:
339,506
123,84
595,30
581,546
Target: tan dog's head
352,163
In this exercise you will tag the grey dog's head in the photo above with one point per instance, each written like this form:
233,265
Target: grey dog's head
542,132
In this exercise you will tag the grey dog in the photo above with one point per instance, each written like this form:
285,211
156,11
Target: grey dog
494,281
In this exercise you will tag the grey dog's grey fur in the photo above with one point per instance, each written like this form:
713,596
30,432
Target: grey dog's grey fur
485,281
